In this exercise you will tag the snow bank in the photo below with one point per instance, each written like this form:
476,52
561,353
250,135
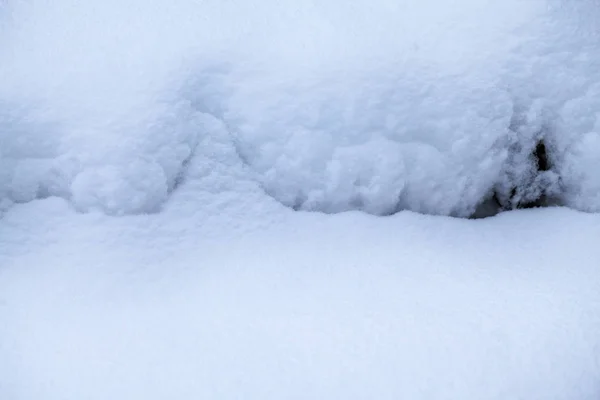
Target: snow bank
377,106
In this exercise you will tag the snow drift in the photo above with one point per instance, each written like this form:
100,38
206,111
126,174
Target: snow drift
377,106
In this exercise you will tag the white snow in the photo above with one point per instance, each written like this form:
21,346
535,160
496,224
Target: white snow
152,155
374,106
245,299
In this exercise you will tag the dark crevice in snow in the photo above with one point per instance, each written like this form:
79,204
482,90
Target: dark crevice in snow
541,156
529,178
542,163
538,190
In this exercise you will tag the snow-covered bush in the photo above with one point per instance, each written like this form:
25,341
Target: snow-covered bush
376,105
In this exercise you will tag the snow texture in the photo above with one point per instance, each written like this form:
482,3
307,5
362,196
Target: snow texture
231,295
377,106
203,124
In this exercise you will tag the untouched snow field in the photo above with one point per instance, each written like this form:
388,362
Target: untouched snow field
158,159
267,303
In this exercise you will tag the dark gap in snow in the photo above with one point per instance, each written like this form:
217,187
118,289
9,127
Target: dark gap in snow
541,156
488,208
532,193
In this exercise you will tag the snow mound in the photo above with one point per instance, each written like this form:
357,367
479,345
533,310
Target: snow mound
112,167
375,106
387,145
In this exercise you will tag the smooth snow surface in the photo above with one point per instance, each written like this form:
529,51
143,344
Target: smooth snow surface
376,105
235,296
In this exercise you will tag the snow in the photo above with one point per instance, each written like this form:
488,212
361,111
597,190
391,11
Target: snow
264,303
158,162
375,106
